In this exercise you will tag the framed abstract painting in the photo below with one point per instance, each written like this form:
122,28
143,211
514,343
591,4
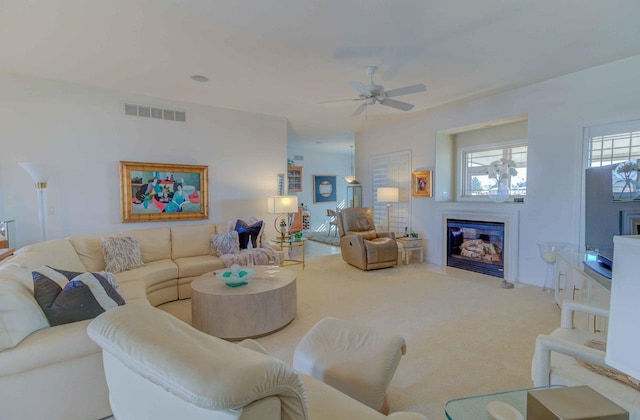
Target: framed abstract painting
158,192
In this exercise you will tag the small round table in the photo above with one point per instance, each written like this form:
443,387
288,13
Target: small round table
289,244
267,304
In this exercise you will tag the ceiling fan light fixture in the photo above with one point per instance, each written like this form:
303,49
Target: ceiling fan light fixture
372,93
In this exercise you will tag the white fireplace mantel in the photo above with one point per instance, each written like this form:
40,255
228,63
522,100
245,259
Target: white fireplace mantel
511,220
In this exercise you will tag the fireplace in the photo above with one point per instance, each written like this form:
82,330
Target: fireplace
476,246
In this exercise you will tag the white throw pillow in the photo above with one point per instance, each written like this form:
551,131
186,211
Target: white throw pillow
20,315
226,243
121,253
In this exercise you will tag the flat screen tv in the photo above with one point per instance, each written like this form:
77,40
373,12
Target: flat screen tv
606,217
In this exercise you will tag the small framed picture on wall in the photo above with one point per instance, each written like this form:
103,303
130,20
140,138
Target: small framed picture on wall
421,183
324,188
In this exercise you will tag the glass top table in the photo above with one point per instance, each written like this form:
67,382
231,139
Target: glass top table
475,407
289,244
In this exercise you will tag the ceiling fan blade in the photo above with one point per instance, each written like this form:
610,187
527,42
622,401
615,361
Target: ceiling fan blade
406,90
359,110
339,100
397,104
362,89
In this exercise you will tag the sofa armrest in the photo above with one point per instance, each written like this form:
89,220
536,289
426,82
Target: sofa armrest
198,369
386,235
353,250
570,307
253,345
545,344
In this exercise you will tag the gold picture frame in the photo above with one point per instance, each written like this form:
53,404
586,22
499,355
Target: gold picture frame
158,192
421,184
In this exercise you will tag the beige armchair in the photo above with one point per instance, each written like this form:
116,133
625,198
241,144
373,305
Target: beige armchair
361,245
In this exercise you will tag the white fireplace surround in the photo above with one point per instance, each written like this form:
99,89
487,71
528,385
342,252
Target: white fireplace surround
511,220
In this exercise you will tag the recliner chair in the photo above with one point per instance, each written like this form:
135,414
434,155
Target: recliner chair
360,244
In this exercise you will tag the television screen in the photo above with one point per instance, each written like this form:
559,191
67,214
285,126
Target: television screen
606,216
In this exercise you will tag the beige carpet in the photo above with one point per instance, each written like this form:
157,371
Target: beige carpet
465,335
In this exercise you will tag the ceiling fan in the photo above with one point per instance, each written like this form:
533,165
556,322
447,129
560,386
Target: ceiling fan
371,94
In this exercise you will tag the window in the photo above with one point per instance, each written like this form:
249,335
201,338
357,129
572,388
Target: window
613,148
475,163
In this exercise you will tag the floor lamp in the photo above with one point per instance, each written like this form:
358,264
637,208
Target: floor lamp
40,178
282,204
388,195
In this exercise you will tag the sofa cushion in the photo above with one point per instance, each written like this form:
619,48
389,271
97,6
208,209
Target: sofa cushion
89,249
121,253
58,252
67,296
196,266
191,240
48,346
151,273
248,230
155,244
225,243
20,314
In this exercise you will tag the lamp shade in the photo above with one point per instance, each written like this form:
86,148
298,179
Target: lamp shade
38,172
278,204
388,194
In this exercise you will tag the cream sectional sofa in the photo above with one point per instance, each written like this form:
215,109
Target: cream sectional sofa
56,372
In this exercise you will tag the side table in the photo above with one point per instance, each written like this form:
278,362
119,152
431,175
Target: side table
290,244
475,407
408,245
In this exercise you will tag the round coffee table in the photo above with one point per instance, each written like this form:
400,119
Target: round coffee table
267,304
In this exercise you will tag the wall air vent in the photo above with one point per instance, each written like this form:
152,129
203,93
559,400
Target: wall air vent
154,112
298,157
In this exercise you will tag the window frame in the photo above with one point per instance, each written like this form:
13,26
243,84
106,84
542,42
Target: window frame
463,173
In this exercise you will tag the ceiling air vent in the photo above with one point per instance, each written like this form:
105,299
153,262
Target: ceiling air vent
154,112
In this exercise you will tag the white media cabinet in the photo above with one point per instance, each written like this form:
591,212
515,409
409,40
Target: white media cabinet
575,283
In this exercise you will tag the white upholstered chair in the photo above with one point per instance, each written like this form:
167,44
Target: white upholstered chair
556,356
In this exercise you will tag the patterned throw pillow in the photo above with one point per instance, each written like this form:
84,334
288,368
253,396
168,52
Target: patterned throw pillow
121,253
226,243
246,231
68,296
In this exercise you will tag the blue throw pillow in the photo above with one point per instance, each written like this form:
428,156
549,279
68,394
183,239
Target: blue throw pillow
246,231
68,296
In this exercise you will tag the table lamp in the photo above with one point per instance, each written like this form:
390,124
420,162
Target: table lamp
282,204
388,195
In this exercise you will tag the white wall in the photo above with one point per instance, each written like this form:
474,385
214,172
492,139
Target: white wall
82,134
321,163
557,110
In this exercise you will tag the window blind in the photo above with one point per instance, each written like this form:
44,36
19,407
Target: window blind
392,170
612,143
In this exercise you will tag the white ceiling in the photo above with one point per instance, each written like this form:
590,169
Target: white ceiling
280,57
